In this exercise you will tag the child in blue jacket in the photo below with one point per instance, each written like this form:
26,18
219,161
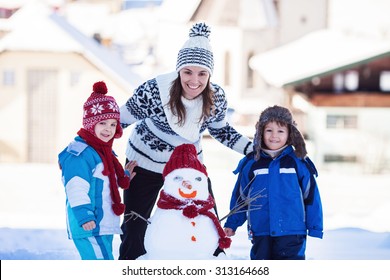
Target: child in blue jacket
276,191
91,175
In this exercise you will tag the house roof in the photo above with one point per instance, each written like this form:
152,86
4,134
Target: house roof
12,4
35,27
316,54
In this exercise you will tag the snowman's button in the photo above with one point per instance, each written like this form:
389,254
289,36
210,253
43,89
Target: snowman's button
193,238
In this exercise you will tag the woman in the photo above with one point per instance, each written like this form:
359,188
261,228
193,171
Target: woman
170,110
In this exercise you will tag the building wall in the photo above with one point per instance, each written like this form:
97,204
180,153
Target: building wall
366,143
299,17
363,16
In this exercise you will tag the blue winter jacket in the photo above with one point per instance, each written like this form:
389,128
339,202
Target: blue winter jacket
87,191
286,197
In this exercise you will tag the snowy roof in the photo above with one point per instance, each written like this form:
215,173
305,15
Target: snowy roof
19,3
11,4
318,53
35,27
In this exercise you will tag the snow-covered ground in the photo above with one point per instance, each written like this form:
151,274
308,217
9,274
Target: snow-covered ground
356,212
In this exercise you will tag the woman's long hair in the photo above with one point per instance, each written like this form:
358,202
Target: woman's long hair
177,106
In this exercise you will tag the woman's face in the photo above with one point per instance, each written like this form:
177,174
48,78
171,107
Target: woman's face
194,80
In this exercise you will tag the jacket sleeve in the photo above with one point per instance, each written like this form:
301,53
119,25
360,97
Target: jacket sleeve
77,175
222,131
312,200
139,105
238,196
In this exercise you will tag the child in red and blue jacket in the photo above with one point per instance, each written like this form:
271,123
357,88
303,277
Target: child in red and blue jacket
91,174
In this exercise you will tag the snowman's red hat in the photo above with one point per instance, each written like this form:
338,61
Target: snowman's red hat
184,156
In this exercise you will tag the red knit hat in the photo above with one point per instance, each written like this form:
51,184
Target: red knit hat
100,107
184,156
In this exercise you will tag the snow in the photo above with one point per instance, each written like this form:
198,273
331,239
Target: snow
356,209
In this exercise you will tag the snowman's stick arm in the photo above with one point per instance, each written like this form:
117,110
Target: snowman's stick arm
242,204
134,215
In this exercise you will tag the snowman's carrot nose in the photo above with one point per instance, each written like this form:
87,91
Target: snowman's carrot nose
186,184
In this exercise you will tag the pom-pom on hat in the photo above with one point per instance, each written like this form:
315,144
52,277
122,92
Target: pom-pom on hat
280,115
100,107
196,51
184,156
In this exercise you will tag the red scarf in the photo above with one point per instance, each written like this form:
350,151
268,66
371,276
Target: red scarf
112,168
192,208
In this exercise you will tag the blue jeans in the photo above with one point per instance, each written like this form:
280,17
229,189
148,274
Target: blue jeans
289,247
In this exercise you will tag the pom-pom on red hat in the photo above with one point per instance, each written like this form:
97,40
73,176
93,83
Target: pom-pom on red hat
100,107
184,156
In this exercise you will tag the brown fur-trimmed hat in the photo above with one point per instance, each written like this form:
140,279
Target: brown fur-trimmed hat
280,115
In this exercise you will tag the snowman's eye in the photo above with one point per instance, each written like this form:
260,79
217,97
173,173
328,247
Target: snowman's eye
178,178
198,179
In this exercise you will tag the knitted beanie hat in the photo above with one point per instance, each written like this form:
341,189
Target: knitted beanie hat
184,156
196,51
100,107
280,115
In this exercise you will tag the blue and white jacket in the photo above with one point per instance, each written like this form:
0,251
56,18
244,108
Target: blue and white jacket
287,200
87,191
156,133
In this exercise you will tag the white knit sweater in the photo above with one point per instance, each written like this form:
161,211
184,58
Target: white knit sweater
156,132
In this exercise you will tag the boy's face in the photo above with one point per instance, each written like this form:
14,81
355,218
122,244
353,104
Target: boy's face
275,135
105,130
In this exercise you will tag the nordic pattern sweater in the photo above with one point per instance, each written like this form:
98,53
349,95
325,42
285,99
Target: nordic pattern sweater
155,132
87,191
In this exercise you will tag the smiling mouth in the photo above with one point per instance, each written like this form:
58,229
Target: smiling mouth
187,195
193,87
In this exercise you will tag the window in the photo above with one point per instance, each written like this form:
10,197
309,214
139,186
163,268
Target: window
8,78
250,76
341,121
329,158
338,82
227,69
347,81
42,91
384,81
74,78
351,81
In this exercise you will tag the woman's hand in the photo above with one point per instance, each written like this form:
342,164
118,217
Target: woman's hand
130,168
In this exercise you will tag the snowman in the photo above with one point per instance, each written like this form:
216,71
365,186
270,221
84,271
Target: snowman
184,224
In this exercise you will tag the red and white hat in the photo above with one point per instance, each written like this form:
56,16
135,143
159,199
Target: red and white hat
184,156
100,107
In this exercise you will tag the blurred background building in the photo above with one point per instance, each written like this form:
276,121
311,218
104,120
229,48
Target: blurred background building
327,60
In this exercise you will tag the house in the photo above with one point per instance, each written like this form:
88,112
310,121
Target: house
47,69
338,84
